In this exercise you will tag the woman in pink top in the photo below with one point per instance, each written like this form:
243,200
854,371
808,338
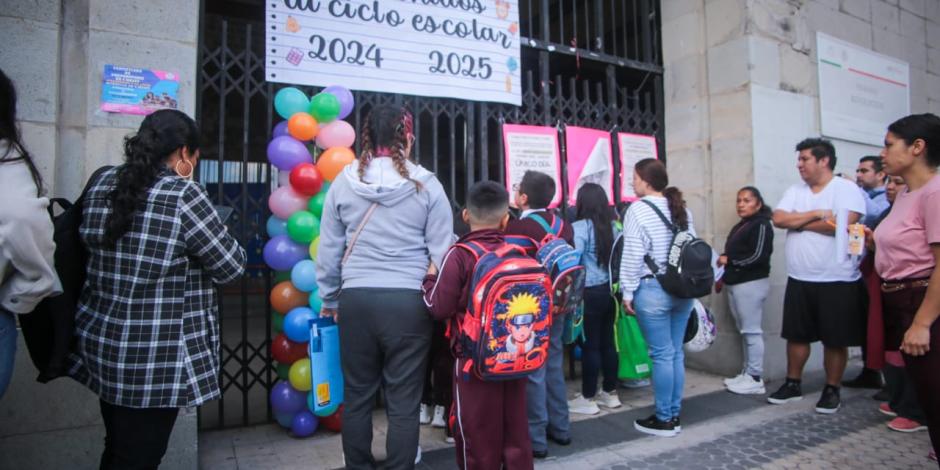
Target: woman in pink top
907,252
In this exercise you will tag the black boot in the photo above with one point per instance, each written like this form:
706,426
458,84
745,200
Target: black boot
867,378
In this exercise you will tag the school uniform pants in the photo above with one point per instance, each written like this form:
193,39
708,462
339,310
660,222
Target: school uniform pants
547,395
384,339
135,438
490,423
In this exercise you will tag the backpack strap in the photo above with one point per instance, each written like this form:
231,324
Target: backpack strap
541,221
521,241
650,263
475,248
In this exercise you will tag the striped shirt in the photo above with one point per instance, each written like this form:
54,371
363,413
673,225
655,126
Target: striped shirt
644,233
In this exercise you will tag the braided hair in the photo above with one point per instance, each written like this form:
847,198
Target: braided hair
386,131
161,133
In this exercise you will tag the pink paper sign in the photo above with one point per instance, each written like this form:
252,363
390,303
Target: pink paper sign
531,148
590,160
633,148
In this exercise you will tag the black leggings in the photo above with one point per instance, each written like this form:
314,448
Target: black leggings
135,438
598,353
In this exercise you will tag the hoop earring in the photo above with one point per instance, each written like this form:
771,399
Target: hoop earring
189,174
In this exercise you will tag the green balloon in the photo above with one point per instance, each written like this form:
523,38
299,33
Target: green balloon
316,204
281,276
277,322
283,370
324,107
303,227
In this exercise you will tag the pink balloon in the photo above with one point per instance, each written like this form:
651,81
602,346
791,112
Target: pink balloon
283,178
285,201
336,134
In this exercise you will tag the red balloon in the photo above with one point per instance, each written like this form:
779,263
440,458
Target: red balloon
286,351
333,422
306,179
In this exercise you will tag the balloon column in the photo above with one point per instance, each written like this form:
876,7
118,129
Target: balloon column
294,230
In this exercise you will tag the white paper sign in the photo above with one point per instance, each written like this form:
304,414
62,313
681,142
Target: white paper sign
633,148
532,148
466,49
861,92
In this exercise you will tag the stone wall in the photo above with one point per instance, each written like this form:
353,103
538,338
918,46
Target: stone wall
732,68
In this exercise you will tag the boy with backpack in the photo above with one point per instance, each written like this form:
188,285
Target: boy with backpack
546,395
497,302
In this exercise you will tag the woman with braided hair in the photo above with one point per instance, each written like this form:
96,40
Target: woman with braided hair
386,223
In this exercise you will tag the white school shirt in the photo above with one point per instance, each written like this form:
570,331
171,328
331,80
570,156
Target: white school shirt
810,255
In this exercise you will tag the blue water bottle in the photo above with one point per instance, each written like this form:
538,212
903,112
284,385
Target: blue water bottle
326,371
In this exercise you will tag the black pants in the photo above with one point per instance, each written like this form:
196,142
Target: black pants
598,353
903,399
439,380
384,339
135,438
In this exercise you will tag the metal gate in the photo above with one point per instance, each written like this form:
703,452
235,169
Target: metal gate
591,63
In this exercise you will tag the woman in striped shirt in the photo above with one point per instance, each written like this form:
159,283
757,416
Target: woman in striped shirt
662,317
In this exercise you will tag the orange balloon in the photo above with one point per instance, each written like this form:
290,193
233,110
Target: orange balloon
302,126
332,161
285,297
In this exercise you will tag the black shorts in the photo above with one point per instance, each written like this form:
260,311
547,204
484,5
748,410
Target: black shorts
831,312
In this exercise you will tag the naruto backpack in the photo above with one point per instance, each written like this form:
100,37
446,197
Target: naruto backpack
561,260
505,330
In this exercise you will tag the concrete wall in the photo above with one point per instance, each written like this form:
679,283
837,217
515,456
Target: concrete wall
741,90
55,52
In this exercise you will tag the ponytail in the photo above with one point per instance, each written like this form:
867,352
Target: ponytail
677,207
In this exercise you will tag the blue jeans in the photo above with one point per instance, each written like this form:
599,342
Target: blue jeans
547,395
663,319
7,348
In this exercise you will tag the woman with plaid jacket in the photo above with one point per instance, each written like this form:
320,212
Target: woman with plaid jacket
147,322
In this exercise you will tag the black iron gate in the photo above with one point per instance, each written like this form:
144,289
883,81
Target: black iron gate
591,63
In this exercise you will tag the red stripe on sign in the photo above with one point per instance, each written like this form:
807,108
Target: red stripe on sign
876,77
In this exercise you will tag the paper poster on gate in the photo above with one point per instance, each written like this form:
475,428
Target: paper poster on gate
590,160
633,148
531,148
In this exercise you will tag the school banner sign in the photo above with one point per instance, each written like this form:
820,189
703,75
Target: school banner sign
466,49
590,160
531,148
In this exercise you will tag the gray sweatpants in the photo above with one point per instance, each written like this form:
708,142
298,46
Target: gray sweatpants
747,308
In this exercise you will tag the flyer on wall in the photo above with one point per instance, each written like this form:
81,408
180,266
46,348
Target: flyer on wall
130,90
589,160
531,148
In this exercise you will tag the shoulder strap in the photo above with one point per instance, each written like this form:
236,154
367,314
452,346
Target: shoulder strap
672,228
358,232
541,221
521,240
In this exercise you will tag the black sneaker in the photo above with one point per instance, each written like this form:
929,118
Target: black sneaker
789,391
656,427
867,378
829,402
882,395
677,424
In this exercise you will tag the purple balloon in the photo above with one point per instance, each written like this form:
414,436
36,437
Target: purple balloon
286,399
345,98
286,152
304,424
281,253
280,129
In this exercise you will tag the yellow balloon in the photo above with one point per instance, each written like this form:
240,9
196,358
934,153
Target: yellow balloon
314,246
299,375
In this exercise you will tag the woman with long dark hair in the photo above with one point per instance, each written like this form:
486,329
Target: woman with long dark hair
27,272
907,252
386,222
747,276
662,317
594,234
147,324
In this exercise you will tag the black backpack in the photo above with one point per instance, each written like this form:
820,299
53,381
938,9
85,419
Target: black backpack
48,330
689,272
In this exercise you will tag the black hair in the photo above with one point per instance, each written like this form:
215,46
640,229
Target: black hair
145,154
539,187
488,202
10,133
592,205
819,148
764,210
875,161
653,172
925,127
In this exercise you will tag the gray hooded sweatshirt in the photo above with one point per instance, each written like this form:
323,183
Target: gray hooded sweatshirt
408,229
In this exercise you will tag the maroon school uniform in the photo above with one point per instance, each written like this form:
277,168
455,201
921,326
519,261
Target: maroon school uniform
491,425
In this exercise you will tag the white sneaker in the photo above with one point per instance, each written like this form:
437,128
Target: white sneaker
735,379
424,417
438,421
449,439
607,400
418,456
583,406
748,386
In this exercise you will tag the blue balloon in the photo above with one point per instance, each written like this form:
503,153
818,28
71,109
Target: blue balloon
315,303
280,129
284,419
281,253
304,276
276,226
290,100
297,324
287,399
304,424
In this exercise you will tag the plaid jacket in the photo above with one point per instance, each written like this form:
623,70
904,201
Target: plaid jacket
147,322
